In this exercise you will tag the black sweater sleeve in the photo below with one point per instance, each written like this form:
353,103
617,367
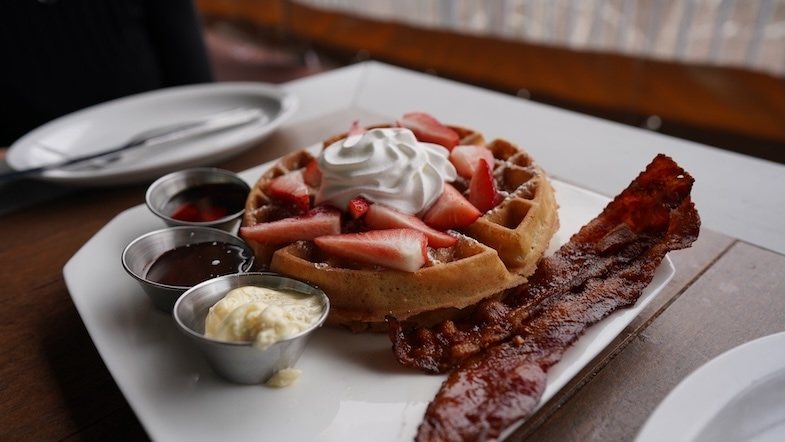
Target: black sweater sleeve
58,56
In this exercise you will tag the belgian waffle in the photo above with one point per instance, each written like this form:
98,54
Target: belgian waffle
498,251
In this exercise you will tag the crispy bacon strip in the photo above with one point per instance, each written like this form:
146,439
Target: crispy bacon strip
494,389
630,225
505,348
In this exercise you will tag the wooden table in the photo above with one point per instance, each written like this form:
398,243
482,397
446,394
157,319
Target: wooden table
54,385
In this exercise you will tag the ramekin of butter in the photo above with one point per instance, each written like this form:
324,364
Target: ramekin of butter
252,327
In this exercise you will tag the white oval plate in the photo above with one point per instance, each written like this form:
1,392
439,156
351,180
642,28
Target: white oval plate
737,396
110,124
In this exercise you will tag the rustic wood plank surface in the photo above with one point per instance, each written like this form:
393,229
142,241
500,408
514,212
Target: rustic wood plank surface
733,108
53,384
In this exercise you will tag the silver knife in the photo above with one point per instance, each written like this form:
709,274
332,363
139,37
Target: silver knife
154,137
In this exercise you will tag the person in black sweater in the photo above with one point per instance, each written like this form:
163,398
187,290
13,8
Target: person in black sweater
59,56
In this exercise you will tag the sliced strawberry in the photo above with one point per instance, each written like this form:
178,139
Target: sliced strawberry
482,188
466,156
291,187
451,211
429,129
382,217
312,176
400,249
319,221
357,207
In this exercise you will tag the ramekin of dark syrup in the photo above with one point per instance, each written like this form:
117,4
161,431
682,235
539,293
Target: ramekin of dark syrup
202,196
169,261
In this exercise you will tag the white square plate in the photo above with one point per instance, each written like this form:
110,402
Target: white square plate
351,388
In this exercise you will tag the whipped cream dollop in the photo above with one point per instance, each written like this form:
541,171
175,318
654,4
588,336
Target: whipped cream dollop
387,166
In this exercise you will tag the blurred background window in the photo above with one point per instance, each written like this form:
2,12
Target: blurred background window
712,71
742,33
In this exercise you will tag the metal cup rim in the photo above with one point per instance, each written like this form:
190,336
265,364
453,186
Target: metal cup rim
201,337
145,236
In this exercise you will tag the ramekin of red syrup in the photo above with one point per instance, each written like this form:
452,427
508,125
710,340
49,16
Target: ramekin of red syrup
201,196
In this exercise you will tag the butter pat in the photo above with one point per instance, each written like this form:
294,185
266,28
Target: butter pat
284,378
261,315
